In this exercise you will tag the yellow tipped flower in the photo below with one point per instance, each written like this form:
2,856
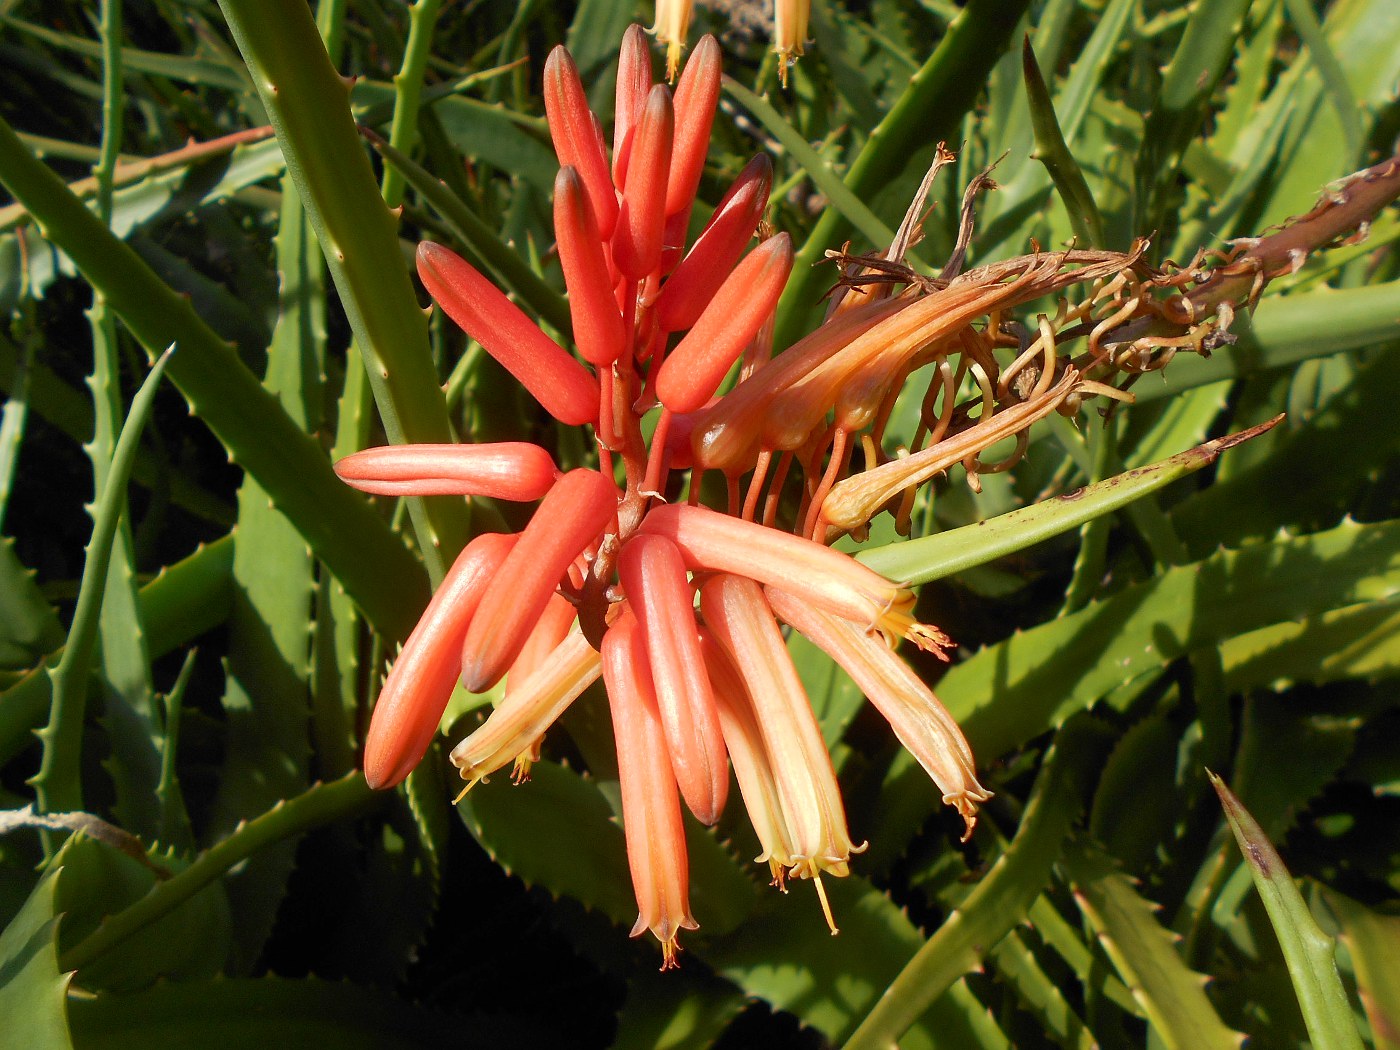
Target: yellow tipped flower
834,581
672,27
752,768
923,725
654,578
512,729
738,614
790,32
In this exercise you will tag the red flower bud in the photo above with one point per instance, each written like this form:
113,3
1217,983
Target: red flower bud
687,291
693,371
573,128
598,331
637,240
696,96
419,684
557,381
580,506
633,86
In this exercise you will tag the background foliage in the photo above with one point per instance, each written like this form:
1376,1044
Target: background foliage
200,649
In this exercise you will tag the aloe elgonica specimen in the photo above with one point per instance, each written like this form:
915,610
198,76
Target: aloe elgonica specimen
603,581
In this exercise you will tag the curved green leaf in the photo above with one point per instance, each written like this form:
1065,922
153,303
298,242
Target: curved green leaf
1145,956
32,988
1310,952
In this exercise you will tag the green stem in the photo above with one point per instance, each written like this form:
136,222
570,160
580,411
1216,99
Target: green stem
408,88
103,171
59,784
319,804
1052,151
308,105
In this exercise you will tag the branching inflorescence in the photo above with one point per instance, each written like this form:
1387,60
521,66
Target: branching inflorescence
622,573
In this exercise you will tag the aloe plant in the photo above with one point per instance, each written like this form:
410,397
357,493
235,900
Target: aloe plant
1096,408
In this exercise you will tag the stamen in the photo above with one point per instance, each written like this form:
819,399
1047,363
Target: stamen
826,905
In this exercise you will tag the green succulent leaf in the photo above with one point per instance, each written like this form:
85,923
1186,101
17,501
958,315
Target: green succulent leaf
33,990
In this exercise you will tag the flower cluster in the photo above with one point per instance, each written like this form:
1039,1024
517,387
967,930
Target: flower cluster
622,573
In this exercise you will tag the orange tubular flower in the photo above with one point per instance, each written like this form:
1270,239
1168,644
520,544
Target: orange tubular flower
651,809
580,506
922,724
834,581
738,614
420,683
752,768
510,470
693,371
557,381
654,577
